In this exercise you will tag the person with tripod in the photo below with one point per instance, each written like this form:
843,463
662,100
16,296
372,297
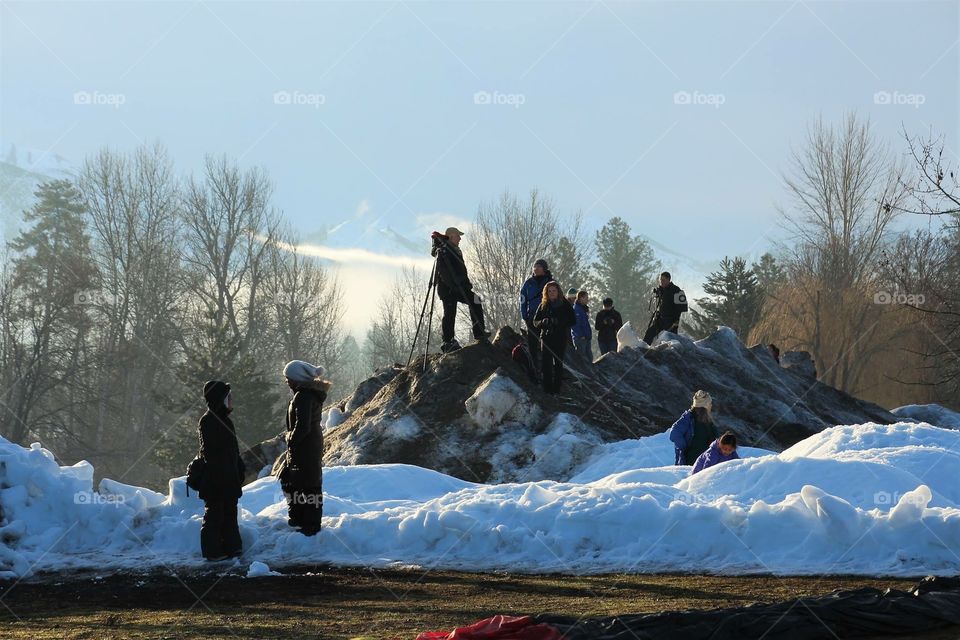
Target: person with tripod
454,287
671,302
553,319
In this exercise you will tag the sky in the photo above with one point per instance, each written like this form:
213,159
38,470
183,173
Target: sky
678,116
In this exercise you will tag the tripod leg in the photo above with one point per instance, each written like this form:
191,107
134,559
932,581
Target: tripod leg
426,348
431,287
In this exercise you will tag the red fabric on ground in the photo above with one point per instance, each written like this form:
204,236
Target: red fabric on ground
498,628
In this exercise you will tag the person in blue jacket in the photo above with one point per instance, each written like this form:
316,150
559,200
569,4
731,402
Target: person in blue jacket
722,449
531,294
581,332
693,432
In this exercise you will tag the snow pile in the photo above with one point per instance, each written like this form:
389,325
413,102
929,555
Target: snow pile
498,400
931,414
857,499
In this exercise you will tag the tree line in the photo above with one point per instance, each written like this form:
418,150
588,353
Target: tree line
131,284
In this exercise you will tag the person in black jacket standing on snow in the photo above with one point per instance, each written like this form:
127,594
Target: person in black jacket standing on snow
553,319
302,477
223,473
671,302
453,287
607,325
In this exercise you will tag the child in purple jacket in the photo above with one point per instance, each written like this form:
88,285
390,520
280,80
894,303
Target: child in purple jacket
722,449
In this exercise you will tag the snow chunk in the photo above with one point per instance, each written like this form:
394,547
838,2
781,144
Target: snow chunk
499,399
627,338
260,569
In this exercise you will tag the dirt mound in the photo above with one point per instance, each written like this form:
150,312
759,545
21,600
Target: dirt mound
475,414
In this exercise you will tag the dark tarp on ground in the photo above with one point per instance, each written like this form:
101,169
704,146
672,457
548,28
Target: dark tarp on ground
933,604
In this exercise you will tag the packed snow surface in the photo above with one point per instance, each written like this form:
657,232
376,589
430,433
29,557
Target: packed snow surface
859,499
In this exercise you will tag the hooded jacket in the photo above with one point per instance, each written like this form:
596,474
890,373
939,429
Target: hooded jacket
223,474
531,293
305,435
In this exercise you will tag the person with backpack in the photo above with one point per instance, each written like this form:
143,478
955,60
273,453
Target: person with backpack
530,295
581,332
553,319
671,302
720,450
221,480
301,478
608,323
693,432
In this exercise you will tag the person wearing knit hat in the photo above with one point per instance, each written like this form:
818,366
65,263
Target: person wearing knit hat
301,473
693,432
223,472
572,295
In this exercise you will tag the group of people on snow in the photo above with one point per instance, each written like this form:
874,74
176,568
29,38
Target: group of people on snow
219,483
557,328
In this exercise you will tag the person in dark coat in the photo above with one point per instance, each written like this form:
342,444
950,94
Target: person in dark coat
608,323
723,449
454,287
693,432
553,320
302,477
221,485
531,293
671,302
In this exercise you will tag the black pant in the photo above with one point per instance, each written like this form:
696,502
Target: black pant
219,532
606,346
660,324
551,363
450,316
305,509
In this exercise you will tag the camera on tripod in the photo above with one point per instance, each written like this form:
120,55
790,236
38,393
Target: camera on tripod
439,241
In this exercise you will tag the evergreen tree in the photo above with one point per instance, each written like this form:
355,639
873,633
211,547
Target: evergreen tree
769,273
567,265
52,276
734,298
625,270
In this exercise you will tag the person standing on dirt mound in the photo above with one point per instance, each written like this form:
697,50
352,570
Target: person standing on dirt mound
671,302
301,478
223,471
693,432
553,320
581,332
609,321
530,295
453,287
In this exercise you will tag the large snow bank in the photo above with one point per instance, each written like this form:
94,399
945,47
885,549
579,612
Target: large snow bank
862,499
934,414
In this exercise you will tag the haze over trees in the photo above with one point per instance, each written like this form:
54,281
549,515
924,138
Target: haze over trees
133,283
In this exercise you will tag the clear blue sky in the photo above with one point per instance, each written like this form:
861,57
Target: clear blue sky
598,129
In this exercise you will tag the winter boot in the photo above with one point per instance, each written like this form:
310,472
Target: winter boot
448,347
